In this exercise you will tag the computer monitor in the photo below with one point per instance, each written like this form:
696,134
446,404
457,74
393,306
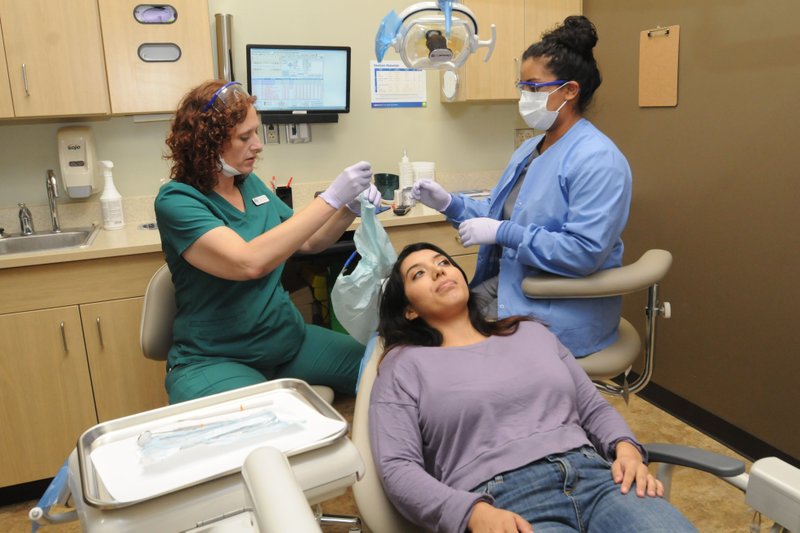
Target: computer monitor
299,83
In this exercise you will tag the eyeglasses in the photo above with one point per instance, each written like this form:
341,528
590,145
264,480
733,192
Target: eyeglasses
533,86
226,95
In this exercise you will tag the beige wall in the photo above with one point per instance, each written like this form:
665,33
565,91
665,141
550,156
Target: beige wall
458,137
716,182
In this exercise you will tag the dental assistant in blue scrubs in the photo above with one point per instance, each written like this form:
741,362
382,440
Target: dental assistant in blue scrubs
561,203
226,238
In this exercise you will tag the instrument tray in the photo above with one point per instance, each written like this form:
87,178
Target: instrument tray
133,459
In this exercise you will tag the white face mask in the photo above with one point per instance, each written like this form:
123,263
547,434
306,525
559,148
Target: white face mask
533,108
227,169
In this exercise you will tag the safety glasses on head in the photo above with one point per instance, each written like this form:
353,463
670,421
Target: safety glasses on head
226,95
533,86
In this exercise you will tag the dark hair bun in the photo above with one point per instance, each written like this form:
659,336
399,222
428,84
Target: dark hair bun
577,33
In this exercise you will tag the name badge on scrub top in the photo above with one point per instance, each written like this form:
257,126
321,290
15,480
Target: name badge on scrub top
259,200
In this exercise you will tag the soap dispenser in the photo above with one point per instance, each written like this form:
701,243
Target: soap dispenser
110,200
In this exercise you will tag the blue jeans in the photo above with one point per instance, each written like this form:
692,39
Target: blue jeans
574,491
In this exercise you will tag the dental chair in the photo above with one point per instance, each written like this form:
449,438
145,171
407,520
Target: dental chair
772,487
376,510
158,314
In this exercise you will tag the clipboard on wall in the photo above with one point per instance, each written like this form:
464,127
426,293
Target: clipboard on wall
658,67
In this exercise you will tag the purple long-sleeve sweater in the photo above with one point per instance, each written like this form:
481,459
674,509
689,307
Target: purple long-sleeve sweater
444,420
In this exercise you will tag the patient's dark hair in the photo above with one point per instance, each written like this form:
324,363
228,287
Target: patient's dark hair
397,330
568,49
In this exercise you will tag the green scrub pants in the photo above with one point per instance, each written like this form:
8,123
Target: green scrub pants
325,358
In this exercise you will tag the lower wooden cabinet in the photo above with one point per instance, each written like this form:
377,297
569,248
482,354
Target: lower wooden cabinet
45,392
123,380
70,358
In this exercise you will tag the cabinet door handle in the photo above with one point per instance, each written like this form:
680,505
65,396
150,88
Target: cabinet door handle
100,332
25,79
64,338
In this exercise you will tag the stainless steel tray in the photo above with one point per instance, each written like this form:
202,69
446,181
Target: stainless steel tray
95,492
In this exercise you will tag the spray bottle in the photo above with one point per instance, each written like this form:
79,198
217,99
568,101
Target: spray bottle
406,172
110,200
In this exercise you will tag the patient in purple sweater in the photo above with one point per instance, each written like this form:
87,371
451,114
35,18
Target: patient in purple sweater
485,426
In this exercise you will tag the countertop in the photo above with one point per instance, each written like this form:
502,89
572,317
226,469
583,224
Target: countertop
132,240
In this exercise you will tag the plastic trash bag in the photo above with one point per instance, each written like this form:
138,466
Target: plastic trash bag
355,295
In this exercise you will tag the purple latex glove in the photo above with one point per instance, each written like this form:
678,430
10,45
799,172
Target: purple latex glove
373,196
348,184
431,194
477,231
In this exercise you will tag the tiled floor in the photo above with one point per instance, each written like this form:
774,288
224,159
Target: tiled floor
713,506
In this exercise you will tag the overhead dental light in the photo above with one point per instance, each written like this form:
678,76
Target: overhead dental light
432,35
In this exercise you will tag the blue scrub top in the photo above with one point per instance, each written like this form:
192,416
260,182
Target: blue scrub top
568,218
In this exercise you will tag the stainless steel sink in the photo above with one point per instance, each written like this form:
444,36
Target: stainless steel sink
48,240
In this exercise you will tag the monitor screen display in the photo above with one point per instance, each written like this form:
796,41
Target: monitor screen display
295,79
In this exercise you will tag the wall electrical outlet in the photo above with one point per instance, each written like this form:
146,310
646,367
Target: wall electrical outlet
522,134
271,134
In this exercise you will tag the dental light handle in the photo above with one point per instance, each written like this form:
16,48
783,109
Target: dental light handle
447,8
488,44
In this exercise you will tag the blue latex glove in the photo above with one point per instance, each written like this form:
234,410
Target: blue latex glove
431,194
373,196
477,231
347,185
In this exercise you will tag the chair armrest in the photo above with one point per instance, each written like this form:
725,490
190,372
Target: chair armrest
275,494
649,269
711,462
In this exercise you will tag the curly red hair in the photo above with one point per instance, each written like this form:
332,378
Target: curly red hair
198,136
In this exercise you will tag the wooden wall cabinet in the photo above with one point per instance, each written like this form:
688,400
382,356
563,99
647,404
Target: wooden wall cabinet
70,357
6,107
544,15
54,57
519,23
81,58
138,86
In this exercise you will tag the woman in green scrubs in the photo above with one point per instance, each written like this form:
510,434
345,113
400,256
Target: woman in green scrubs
226,237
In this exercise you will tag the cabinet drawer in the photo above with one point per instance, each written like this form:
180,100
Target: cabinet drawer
77,282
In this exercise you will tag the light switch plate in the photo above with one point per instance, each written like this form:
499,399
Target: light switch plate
297,133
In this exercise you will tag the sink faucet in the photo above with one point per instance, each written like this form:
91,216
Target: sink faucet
52,194
25,220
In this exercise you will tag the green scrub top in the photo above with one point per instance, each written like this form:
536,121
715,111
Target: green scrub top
252,322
